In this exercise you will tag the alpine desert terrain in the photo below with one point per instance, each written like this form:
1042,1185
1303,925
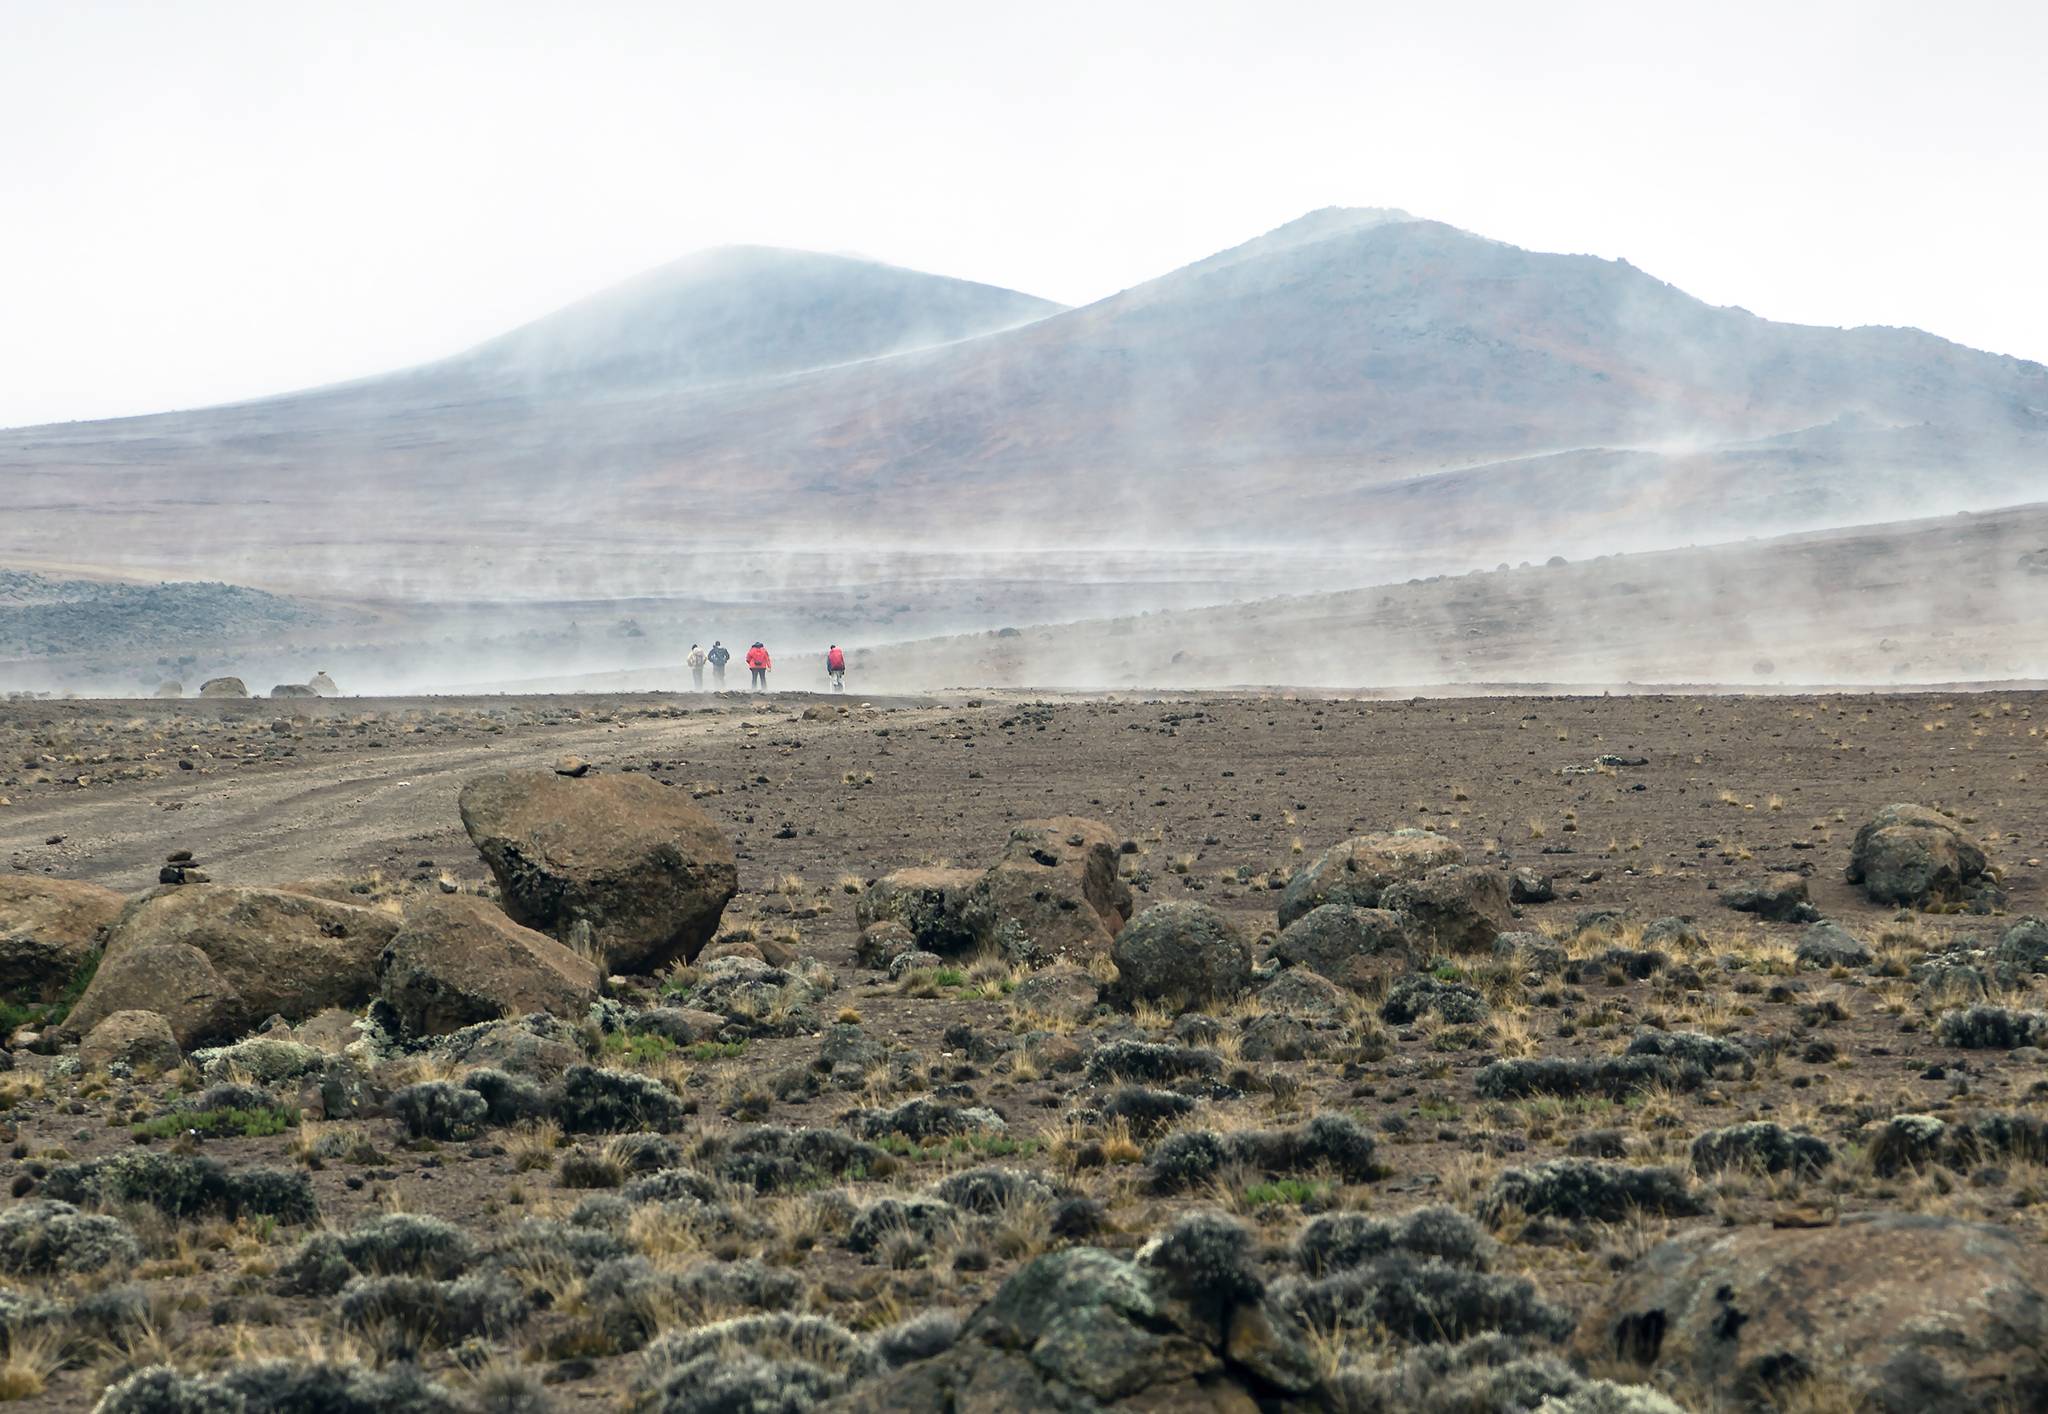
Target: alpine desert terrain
1010,1051
1419,825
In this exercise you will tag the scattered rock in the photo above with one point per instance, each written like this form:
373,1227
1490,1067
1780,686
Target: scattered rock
1830,945
1781,898
881,943
1186,1326
1062,992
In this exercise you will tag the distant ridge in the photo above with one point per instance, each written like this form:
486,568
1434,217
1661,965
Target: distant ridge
1354,377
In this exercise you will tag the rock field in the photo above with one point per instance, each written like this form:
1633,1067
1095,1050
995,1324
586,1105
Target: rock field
725,1055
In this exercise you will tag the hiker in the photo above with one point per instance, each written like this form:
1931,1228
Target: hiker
718,658
835,667
696,661
758,665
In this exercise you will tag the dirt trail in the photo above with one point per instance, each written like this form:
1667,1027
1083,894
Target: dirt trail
277,821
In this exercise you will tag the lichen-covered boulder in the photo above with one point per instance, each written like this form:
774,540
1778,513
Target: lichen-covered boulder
1910,854
1781,898
1187,1326
620,866
1354,947
1899,1311
1055,892
1827,944
1456,908
931,902
1356,871
1180,955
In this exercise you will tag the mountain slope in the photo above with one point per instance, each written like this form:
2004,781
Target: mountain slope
1352,377
743,312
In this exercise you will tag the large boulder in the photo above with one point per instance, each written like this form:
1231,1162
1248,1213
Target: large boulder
1356,871
1912,855
1055,892
458,960
621,867
1902,1311
1187,1326
216,960
323,685
49,929
1456,908
223,687
933,903
1181,955
1351,946
134,1038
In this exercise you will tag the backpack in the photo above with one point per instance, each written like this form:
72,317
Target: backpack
835,661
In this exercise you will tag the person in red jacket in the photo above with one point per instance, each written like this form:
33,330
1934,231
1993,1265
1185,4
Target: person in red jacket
758,665
835,667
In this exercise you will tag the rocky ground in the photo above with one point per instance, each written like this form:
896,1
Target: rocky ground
990,1053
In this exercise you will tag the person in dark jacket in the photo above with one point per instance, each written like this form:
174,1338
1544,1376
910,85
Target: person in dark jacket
718,657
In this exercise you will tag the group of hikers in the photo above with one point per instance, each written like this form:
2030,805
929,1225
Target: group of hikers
759,665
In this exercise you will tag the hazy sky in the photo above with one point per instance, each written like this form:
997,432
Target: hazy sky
205,200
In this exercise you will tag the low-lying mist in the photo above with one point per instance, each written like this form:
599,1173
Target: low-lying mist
1959,598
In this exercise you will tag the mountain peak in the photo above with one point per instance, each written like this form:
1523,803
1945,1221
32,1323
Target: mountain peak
1324,223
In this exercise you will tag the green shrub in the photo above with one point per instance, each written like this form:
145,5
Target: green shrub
221,1124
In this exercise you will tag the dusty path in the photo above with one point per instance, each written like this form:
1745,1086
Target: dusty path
325,810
